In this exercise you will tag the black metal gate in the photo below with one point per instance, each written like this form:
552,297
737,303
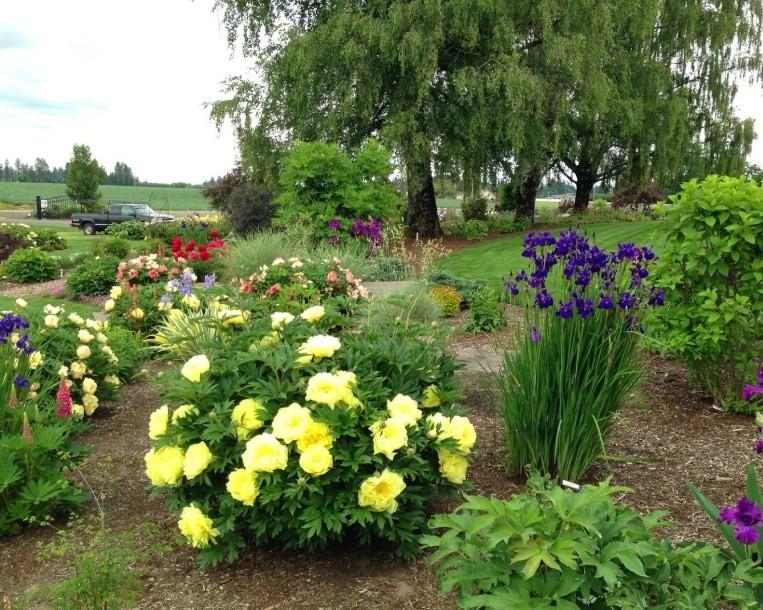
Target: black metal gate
62,206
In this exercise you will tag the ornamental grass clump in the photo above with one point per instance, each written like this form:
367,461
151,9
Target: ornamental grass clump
577,358
295,428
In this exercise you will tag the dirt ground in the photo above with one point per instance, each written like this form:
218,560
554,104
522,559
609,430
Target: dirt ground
670,431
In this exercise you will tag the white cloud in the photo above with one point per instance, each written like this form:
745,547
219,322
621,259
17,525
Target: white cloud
129,79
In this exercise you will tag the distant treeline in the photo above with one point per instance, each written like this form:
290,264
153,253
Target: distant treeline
41,171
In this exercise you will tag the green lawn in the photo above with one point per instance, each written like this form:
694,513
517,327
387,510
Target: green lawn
36,304
494,260
79,242
160,198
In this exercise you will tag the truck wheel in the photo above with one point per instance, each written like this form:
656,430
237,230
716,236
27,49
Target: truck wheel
88,228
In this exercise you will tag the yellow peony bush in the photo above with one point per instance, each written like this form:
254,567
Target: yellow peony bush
294,428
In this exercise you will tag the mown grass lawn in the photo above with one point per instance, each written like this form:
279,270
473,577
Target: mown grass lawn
494,260
35,305
78,242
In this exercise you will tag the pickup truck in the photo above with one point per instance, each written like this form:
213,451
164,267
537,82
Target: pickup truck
90,222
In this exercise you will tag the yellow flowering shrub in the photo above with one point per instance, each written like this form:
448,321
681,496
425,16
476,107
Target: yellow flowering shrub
448,298
298,430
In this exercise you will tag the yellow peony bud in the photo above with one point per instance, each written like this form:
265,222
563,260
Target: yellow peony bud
51,321
290,423
157,422
109,305
264,453
316,460
320,347
242,486
197,458
313,314
389,436
195,368
280,319
404,408
197,527
431,398
452,466
379,491
246,416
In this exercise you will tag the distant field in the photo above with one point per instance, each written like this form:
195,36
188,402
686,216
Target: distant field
161,198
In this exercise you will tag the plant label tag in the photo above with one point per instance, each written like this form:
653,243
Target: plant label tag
571,485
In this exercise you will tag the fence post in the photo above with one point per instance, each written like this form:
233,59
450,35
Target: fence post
39,207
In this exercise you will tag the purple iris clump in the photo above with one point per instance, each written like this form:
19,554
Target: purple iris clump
606,301
534,335
209,281
11,323
21,382
759,447
584,278
657,299
627,300
565,310
543,299
750,391
371,230
627,251
521,277
335,224
746,516
647,254
585,307
511,287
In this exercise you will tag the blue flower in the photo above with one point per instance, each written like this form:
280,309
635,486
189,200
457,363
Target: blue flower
209,280
627,300
543,299
21,382
534,335
565,310
657,299
585,307
606,302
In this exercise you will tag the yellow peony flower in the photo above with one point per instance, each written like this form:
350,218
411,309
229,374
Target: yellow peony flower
235,317
157,422
317,433
51,321
264,453
316,460
452,466
78,369
89,403
137,313
183,411
35,360
348,378
192,301
83,352
326,389
52,310
463,431
389,436
195,368
431,398
379,491
197,458
242,486
109,305
63,371
21,303
78,411
76,319
115,292
246,416
89,386
101,338
320,347
279,319
290,423
164,466
313,314
404,408
197,527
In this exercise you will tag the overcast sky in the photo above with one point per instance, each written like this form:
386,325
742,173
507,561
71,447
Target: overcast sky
130,80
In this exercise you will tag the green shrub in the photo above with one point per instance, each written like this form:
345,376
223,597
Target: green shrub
475,229
31,265
712,274
485,312
153,245
468,288
448,298
94,276
247,254
554,548
131,229
111,246
50,239
319,183
413,304
130,349
69,261
507,223
637,197
474,208
453,225
250,208
198,228
599,205
388,269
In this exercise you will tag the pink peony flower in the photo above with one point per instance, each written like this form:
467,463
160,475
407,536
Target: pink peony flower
332,277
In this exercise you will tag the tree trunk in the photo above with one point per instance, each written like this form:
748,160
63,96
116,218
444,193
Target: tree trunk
421,218
583,190
529,181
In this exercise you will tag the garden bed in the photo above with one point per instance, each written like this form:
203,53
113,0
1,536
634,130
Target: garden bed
679,438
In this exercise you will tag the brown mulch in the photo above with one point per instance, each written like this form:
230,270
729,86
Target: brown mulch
53,288
668,434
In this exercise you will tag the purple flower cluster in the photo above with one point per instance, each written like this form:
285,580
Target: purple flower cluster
183,284
596,277
746,517
11,323
371,230
751,391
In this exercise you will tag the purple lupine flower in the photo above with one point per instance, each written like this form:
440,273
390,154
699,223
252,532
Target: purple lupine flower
565,310
606,301
543,299
627,300
534,335
209,280
335,224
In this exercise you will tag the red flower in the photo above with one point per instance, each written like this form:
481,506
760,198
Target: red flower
204,255
190,246
177,244
194,256
214,234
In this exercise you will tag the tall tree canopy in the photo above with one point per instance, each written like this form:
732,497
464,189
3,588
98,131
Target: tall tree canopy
83,175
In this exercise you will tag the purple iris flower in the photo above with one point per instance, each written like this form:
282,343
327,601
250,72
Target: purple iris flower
657,299
543,299
585,308
335,224
606,302
759,447
627,300
534,335
746,534
21,382
584,278
521,277
627,251
511,287
336,240
750,391
209,280
747,512
565,310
